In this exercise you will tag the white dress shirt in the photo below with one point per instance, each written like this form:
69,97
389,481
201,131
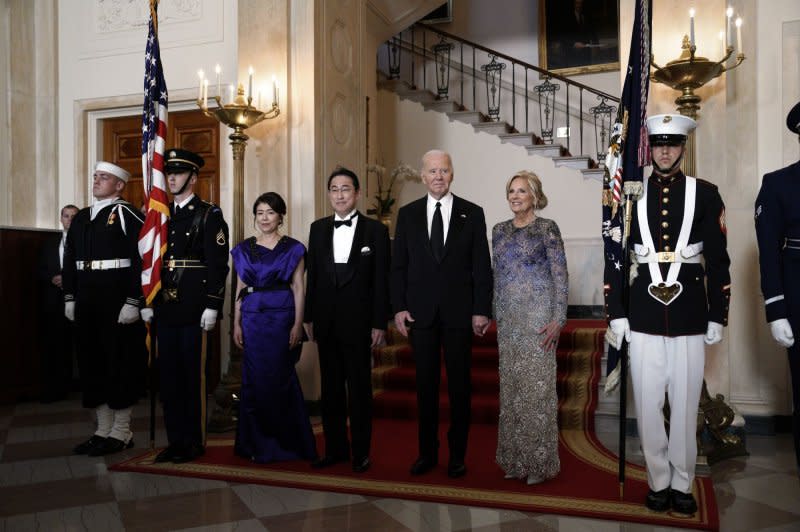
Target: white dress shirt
98,206
184,203
61,249
343,238
446,208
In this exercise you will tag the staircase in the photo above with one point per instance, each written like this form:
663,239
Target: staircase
408,68
578,355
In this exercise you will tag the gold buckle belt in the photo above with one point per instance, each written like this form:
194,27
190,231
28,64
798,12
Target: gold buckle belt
107,264
184,263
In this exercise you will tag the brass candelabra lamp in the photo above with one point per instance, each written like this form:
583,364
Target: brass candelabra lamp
686,74
238,115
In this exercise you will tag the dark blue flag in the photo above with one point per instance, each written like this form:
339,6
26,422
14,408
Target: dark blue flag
627,156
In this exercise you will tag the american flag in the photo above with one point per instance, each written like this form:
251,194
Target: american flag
153,238
627,156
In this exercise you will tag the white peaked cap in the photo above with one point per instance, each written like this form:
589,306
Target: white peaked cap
112,169
670,124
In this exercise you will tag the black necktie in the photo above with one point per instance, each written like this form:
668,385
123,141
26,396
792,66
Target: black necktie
338,223
437,233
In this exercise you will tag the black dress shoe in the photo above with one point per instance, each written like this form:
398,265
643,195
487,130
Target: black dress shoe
167,454
188,453
658,501
88,445
422,466
360,465
110,446
326,461
683,503
456,469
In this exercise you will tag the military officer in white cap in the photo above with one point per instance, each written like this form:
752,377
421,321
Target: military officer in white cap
102,294
778,232
678,224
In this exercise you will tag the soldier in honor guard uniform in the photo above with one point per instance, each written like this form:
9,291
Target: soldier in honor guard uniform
102,293
192,294
778,231
677,225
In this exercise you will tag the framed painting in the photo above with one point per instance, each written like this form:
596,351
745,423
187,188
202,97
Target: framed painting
579,36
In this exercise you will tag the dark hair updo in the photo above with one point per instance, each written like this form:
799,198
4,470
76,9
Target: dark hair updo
274,200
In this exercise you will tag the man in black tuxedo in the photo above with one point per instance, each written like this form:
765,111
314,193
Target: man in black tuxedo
57,349
441,286
346,311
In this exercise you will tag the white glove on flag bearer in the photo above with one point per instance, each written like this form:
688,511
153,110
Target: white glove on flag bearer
209,319
620,329
128,314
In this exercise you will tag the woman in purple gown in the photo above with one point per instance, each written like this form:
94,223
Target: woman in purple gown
273,423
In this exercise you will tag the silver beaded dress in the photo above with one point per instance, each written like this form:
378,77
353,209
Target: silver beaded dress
530,290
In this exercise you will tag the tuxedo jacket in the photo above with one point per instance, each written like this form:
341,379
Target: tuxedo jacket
777,217
362,292
454,289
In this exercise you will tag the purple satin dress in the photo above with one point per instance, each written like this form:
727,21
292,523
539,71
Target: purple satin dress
273,422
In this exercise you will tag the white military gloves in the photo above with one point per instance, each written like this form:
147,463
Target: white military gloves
620,330
69,310
209,319
782,332
147,314
128,314
713,333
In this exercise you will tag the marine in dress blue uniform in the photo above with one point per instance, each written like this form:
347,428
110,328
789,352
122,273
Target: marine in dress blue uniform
676,304
102,293
777,218
192,294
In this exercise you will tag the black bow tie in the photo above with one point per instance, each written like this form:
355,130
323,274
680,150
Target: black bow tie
349,222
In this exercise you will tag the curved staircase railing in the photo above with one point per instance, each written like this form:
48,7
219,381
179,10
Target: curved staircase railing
480,74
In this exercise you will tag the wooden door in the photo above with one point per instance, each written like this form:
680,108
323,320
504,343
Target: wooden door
190,130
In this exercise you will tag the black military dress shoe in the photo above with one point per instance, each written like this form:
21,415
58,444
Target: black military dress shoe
683,503
167,454
658,501
188,453
327,461
422,466
110,446
88,445
360,465
456,469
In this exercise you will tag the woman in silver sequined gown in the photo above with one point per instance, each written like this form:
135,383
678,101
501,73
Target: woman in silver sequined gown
530,299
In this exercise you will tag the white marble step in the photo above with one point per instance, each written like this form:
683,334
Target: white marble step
546,150
442,106
468,117
579,162
493,128
520,139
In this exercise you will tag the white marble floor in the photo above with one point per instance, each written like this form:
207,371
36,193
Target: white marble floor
44,487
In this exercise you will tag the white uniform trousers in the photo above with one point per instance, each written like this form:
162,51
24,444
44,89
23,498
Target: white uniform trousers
673,365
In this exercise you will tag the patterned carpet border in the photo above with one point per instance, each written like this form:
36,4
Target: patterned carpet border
586,487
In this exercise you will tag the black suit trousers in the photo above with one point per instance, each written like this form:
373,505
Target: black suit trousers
794,367
346,382
456,344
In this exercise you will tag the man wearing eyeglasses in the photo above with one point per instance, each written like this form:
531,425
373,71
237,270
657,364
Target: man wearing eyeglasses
441,294
346,312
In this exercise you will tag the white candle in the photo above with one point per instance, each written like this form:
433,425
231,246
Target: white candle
218,70
205,92
739,34
230,93
274,91
200,85
250,82
728,36
691,26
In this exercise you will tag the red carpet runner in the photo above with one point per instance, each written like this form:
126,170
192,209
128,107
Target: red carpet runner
587,485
